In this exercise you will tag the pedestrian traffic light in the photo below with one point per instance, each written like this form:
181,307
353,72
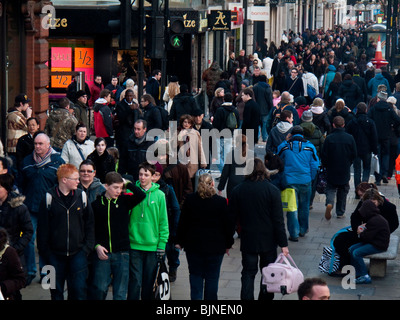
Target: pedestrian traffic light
176,29
123,25
155,37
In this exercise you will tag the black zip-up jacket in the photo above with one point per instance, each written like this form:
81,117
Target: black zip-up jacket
111,219
65,230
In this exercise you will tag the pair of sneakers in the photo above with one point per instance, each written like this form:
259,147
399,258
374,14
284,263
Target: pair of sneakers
363,279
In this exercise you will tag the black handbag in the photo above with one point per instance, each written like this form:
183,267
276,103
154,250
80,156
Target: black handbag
161,287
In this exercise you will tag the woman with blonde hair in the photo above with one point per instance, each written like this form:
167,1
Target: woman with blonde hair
205,213
171,91
340,109
217,100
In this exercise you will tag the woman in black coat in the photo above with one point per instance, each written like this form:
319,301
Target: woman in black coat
205,232
343,241
103,161
12,277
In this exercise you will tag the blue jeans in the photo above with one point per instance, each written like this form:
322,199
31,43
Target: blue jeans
204,271
263,126
29,251
366,168
357,252
172,254
225,145
297,221
341,192
142,273
74,269
114,270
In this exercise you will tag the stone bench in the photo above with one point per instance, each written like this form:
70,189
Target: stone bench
378,261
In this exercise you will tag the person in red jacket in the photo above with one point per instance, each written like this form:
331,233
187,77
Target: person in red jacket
95,90
103,126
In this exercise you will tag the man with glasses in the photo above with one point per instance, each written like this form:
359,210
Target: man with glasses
66,233
294,84
88,181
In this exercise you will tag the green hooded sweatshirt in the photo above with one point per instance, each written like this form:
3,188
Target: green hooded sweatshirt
148,225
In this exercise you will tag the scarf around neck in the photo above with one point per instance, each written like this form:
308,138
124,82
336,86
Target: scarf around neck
41,161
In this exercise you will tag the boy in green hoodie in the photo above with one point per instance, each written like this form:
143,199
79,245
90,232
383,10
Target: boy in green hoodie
148,235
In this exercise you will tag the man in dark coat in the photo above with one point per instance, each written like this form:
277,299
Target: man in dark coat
263,96
385,118
294,83
127,112
350,92
153,86
338,153
183,103
138,146
258,206
363,130
360,81
251,115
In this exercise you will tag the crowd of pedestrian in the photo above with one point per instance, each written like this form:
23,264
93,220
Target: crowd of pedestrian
104,212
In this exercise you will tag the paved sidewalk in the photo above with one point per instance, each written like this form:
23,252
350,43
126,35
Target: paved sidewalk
306,253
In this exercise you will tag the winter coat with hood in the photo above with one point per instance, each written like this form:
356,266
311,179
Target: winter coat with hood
222,114
15,218
321,119
95,189
183,103
375,82
277,135
345,113
328,77
103,126
313,134
363,130
300,158
384,117
211,76
148,224
377,230
71,154
263,96
12,275
350,93
337,155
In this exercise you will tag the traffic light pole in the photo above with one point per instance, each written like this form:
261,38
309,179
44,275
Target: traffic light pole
141,50
164,59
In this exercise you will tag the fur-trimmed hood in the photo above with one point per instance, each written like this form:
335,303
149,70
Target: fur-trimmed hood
15,199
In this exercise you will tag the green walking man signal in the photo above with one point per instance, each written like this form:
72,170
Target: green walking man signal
176,41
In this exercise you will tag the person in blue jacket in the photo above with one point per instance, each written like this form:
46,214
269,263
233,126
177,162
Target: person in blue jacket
301,164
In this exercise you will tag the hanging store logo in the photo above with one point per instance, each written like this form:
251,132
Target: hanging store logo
219,20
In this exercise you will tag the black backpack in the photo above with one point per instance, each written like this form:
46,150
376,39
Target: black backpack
164,118
277,114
